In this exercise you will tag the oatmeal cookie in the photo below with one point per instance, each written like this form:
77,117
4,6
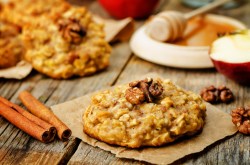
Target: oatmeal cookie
70,44
144,113
22,12
11,48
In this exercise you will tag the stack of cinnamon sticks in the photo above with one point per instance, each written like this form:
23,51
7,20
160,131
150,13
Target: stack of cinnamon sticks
41,123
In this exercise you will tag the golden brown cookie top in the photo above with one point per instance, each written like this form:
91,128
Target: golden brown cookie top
152,115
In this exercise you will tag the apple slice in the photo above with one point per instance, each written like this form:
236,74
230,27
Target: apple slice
230,55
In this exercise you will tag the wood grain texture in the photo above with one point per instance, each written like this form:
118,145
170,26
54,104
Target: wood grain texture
17,147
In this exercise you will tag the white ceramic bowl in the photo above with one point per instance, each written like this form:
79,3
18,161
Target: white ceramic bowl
175,55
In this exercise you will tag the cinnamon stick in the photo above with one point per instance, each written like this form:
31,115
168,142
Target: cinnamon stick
24,124
41,111
48,127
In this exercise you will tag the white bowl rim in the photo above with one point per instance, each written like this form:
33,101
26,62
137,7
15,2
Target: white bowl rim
198,59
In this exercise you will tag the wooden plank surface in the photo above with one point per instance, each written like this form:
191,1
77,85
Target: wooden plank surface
18,148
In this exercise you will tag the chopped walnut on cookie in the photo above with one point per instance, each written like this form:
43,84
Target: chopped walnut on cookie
144,90
72,30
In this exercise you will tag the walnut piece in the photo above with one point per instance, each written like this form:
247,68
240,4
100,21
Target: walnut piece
134,95
226,94
134,83
147,87
241,118
210,94
156,89
144,87
216,95
72,31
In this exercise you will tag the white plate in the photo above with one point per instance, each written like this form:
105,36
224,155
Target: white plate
174,55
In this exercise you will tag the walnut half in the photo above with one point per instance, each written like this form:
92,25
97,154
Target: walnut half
241,118
135,95
72,31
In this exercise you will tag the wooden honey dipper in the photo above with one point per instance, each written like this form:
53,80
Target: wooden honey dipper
170,25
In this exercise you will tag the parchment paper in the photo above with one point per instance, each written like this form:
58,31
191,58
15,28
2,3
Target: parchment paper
116,30
218,126
20,71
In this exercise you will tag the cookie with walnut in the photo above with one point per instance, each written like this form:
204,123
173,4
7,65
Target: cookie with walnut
11,48
70,44
144,113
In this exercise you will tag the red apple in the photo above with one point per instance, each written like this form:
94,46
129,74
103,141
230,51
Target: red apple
129,8
231,56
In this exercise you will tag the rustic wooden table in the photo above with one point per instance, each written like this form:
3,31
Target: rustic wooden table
16,147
